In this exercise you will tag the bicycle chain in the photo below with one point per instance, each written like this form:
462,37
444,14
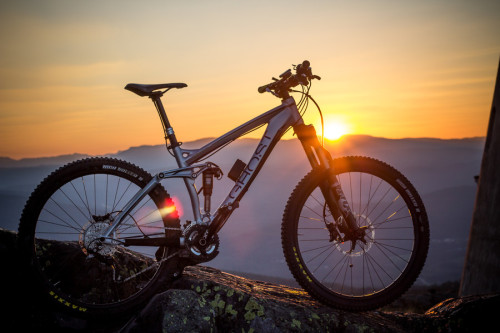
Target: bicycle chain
158,263
169,228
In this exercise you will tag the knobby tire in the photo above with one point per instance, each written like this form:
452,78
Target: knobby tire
374,272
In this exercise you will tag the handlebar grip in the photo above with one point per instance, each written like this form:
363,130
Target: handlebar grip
262,89
304,68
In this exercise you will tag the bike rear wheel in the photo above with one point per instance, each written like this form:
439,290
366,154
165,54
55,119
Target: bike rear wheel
59,237
367,274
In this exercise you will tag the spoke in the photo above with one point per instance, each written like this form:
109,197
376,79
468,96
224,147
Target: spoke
57,217
85,192
310,218
77,207
148,225
136,222
106,199
391,220
61,225
388,258
71,217
360,199
145,225
388,219
380,266
310,260
383,248
366,261
318,248
363,272
326,212
344,261
95,197
83,202
126,190
370,197
393,213
312,210
383,197
314,240
153,210
116,193
350,188
333,268
349,259
136,210
396,239
319,203
370,261
391,228
351,265
395,247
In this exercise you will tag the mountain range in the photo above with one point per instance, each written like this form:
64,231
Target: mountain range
441,170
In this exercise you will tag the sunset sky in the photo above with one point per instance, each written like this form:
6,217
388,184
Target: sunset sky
389,68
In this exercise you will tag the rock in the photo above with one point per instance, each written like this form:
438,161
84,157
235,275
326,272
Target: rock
474,313
227,303
205,299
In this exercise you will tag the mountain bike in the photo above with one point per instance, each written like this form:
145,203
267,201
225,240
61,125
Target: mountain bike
100,235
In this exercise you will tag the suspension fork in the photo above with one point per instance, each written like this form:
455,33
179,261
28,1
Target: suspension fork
321,159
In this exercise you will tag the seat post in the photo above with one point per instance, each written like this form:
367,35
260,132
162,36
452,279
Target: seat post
167,128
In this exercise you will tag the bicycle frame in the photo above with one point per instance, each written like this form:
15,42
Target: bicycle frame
278,120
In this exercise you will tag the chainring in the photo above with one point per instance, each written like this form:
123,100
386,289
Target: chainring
201,249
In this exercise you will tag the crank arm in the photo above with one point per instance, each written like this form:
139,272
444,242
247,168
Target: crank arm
155,241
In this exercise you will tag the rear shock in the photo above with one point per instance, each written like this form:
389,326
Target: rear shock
208,185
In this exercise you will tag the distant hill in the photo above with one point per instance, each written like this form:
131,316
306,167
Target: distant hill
442,171
6,162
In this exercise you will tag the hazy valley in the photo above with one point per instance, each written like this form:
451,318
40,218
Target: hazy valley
442,171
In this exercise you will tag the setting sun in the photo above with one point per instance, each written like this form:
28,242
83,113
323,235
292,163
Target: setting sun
335,129
375,79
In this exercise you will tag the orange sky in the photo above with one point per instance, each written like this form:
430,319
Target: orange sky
391,69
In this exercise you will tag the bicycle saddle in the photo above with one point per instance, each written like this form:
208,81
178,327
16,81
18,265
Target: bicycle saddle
148,89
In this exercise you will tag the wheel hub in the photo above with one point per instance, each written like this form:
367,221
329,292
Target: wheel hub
90,239
364,238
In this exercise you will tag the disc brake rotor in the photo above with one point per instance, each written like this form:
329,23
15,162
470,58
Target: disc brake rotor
362,244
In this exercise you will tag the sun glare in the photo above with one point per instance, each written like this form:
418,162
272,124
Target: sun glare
335,129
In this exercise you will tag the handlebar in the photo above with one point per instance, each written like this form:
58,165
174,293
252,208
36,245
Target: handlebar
280,88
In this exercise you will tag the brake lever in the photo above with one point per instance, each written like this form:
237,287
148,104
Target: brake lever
272,92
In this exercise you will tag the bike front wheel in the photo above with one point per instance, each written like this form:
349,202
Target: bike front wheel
59,237
357,275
